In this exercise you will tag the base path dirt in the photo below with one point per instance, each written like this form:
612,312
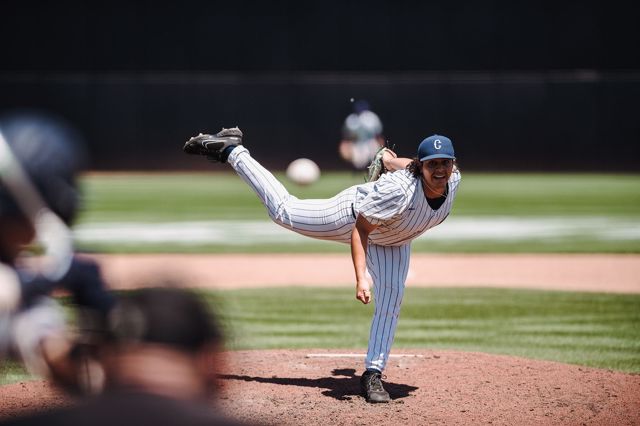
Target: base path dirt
590,272
427,387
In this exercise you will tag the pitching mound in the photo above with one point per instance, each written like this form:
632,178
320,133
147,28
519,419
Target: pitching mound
427,387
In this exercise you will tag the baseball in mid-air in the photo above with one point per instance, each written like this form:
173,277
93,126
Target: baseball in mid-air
303,171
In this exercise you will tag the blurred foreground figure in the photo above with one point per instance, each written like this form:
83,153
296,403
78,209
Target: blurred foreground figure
39,159
361,136
160,361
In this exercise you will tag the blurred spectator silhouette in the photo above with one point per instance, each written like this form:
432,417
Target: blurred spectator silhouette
40,158
160,359
361,136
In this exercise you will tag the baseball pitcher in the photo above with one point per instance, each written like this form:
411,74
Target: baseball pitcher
379,219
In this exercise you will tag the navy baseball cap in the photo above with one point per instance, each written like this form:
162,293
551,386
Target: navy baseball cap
436,146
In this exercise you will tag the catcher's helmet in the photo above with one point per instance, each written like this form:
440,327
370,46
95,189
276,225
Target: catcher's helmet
51,154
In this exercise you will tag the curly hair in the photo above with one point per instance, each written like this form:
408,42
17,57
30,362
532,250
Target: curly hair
415,167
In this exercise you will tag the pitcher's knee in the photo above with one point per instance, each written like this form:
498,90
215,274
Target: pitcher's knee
280,216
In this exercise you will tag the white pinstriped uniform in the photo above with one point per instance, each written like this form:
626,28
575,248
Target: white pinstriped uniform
395,202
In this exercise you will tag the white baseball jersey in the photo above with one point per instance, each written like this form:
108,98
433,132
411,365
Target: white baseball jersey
395,202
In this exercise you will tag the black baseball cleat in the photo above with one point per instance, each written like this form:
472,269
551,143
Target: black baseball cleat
214,146
372,389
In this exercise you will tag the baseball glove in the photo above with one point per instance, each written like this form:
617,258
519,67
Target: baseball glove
376,168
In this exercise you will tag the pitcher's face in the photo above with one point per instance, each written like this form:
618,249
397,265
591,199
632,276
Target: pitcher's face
436,174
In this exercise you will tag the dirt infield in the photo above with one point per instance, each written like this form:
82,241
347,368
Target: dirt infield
427,386
436,387
590,272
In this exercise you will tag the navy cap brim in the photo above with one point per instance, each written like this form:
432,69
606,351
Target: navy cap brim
431,157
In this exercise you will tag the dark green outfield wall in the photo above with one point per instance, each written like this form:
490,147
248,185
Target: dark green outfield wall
517,85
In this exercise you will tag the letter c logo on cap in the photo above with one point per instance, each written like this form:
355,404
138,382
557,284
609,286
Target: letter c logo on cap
437,144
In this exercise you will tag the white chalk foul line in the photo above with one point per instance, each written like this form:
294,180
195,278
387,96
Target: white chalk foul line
361,356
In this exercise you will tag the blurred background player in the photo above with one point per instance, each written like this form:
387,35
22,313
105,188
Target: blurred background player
40,158
161,359
361,136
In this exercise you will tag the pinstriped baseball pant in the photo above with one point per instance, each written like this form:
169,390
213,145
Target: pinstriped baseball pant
329,219
388,266
333,219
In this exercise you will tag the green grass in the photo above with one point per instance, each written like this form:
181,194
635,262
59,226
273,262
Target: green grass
187,197
549,194
597,330
11,371
579,245
216,196
153,198
591,329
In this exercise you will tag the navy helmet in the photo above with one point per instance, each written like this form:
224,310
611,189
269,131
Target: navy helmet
51,153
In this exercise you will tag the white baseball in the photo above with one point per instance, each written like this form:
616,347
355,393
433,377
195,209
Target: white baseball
303,171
